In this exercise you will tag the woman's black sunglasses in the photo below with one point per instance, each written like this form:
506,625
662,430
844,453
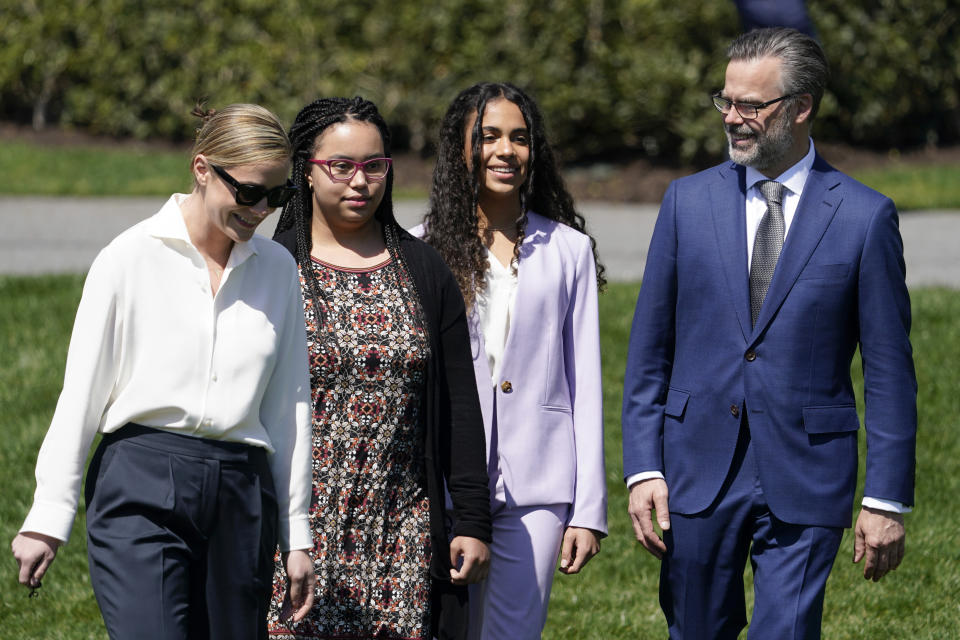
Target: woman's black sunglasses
248,195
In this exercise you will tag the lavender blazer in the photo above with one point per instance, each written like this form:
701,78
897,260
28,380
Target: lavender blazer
548,405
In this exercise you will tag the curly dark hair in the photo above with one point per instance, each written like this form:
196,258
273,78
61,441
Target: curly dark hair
452,222
310,123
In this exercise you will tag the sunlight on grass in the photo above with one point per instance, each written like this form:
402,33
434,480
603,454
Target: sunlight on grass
38,170
916,186
91,171
31,169
36,317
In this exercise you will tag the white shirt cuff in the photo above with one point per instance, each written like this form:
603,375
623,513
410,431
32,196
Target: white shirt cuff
886,505
643,475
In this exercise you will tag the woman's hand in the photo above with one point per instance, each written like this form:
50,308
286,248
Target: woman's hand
300,581
34,552
470,558
579,545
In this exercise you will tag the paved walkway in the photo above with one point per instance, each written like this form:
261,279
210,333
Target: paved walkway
57,235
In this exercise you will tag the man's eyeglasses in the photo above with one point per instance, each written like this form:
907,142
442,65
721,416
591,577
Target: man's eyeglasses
248,195
343,170
747,110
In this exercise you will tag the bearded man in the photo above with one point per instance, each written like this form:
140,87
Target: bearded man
764,276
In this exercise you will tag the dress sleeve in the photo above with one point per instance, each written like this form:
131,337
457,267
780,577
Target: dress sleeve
285,413
91,373
581,345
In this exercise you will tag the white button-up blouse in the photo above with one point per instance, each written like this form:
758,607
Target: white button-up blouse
152,346
495,308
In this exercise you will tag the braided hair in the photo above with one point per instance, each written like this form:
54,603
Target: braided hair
309,125
452,221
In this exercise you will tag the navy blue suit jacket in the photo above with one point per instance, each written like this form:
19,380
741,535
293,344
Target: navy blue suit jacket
695,363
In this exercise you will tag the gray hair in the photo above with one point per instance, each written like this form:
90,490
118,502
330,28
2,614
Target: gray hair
803,62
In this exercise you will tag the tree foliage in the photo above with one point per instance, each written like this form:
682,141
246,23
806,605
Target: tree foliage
612,76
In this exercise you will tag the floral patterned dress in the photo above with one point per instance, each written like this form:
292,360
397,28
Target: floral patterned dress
369,511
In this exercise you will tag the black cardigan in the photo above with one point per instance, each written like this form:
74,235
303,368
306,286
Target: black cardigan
454,450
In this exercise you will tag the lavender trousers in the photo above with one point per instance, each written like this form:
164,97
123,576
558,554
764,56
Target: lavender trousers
512,601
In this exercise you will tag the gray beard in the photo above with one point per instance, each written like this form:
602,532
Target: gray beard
769,148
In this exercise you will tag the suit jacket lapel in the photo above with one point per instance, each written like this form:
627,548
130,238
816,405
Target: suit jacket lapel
527,272
727,198
526,277
816,209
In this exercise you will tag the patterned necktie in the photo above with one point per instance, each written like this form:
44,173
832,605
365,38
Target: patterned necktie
766,246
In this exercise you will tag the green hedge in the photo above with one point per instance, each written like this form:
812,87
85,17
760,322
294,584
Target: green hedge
611,75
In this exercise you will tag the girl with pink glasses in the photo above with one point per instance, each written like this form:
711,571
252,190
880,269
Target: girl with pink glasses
395,411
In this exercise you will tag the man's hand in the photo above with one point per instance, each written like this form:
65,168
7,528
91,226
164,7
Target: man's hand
470,558
301,578
646,497
579,545
879,537
34,552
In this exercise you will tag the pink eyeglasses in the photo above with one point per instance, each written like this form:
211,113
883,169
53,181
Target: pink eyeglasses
343,170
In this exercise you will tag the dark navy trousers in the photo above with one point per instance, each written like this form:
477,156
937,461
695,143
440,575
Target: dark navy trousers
701,576
181,534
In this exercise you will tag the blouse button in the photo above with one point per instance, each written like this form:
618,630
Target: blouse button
506,387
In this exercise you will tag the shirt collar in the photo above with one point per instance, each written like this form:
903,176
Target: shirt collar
793,178
168,223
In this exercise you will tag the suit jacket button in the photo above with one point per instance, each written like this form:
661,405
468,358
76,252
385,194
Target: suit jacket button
751,355
734,410
506,387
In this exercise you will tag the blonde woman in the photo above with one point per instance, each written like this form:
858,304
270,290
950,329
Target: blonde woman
189,356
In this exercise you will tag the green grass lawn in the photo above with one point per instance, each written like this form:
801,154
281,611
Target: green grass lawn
77,170
916,186
31,169
615,597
